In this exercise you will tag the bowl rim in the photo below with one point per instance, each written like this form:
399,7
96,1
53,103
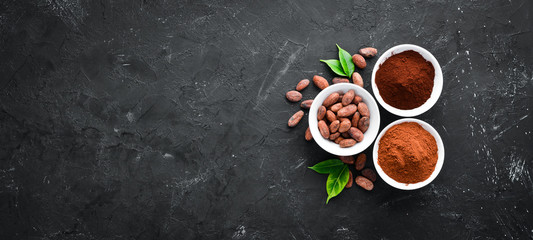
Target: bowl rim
370,134
437,86
410,186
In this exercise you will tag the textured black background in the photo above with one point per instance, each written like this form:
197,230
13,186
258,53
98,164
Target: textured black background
167,120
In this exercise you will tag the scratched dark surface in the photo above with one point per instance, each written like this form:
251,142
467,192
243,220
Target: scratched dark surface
167,120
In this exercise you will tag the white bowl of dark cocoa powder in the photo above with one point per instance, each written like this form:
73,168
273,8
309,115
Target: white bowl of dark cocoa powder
407,80
408,154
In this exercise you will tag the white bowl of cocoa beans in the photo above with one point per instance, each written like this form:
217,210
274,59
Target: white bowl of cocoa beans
344,119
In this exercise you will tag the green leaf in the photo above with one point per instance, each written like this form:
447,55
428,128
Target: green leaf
336,182
346,61
328,166
335,66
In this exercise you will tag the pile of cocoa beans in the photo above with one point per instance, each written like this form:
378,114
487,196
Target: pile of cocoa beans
343,118
368,176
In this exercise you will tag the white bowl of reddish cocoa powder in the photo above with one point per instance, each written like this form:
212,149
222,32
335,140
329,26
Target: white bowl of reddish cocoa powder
408,154
370,133
407,80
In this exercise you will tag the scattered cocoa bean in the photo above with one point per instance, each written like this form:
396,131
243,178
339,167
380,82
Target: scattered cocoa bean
302,84
321,113
347,159
323,128
359,61
370,174
363,109
356,134
348,97
364,183
293,96
357,79
334,126
320,82
360,162
368,52
347,143
308,135
306,104
336,80
295,119
350,180
347,111
363,124
331,99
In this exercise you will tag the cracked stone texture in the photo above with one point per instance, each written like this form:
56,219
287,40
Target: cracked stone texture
167,120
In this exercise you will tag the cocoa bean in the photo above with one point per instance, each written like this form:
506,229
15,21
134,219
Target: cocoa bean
348,97
336,80
331,99
345,125
302,84
347,159
293,96
335,107
346,135
356,134
347,143
306,104
295,119
321,113
338,140
308,135
330,116
359,61
350,180
357,79
364,183
363,109
357,99
323,128
347,111
355,119
334,136
360,162
363,124
368,52
320,82
370,174
334,126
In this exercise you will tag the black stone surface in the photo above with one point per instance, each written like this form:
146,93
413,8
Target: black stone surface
167,120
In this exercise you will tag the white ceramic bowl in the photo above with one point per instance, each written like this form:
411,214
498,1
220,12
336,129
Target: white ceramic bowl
369,135
437,86
410,186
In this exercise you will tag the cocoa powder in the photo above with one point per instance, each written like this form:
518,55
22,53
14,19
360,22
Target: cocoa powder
405,80
407,153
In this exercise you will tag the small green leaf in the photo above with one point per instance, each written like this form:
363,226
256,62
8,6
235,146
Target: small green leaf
346,61
328,166
335,66
336,182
